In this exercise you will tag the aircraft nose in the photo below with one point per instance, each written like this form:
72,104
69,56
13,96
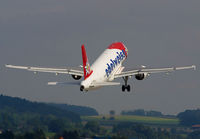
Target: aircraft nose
82,88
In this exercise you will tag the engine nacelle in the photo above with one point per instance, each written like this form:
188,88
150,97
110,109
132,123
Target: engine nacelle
141,76
76,77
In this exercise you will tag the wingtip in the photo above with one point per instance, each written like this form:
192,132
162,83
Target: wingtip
7,65
194,67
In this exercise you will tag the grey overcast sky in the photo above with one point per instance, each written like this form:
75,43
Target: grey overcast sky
158,33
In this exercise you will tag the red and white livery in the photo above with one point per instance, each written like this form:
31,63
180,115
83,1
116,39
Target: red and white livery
104,70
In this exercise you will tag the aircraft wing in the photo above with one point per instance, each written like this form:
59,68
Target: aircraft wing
70,71
150,71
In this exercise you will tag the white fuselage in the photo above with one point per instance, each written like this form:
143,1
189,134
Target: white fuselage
104,68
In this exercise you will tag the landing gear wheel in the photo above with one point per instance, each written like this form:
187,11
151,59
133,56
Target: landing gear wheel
123,88
128,88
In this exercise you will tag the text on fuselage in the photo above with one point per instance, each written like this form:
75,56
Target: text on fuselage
110,66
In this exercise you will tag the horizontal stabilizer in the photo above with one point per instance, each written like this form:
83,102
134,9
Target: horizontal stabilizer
106,84
52,83
63,83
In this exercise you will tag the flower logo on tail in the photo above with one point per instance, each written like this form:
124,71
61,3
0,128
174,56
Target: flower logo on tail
87,68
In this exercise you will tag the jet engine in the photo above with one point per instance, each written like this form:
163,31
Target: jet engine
76,77
141,76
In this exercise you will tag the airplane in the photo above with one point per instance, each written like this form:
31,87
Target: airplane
107,67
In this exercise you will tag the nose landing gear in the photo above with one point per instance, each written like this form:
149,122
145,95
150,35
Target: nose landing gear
126,86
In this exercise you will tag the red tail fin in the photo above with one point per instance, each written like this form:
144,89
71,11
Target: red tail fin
86,65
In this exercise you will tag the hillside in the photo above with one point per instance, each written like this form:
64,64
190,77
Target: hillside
18,105
81,110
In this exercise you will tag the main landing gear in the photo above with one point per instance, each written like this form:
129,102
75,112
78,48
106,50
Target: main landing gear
126,86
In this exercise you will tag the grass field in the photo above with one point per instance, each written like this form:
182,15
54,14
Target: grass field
135,119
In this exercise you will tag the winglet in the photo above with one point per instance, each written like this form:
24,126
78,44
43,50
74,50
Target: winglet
194,67
86,65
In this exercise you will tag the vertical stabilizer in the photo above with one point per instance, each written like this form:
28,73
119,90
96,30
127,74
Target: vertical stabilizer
86,65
